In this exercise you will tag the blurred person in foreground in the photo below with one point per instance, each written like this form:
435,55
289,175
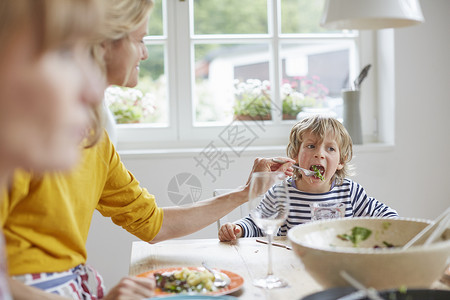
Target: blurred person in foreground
48,89
49,85
50,93
52,254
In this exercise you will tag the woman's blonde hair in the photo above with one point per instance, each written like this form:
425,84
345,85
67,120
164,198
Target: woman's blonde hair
122,17
322,126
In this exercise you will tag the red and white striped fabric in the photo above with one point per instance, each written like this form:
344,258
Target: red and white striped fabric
82,282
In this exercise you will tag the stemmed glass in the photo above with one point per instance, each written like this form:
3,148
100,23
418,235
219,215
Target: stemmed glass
269,209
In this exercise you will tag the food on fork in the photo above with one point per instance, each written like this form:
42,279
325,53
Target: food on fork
318,173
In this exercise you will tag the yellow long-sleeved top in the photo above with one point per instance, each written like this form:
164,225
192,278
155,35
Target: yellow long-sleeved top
46,218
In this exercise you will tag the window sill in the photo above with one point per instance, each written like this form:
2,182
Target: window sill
256,151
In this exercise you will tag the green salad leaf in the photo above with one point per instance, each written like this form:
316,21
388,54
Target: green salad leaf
387,244
358,235
318,175
386,225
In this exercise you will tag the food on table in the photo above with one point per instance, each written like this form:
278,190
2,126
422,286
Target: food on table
186,281
386,225
386,244
318,174
358,235
318,248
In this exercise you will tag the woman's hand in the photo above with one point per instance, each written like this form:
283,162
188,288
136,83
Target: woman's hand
269,165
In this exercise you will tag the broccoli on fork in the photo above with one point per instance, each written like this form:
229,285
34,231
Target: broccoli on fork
318,174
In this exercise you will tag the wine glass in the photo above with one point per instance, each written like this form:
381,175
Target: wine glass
269,210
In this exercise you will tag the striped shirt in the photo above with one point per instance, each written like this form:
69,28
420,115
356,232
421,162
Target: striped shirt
355,203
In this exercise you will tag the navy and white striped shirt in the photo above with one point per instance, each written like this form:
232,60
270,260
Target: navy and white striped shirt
353,195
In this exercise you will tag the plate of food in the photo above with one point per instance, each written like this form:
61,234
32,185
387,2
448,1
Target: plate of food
193,280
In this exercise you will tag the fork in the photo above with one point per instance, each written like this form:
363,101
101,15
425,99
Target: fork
305,171
219,281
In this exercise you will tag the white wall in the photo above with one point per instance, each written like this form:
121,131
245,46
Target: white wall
392,175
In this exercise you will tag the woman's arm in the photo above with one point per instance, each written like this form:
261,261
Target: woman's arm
181,221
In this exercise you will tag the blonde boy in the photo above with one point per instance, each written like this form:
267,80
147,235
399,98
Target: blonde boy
317,143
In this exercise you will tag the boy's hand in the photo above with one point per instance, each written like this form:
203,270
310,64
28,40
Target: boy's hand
229,232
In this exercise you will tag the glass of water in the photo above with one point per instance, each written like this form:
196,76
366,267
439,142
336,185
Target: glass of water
269,207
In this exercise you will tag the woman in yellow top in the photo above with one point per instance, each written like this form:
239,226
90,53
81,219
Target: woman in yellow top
52,239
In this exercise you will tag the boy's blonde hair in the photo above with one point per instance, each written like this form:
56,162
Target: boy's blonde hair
321,126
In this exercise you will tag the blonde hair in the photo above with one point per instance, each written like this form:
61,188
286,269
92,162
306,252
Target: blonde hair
122,18
55,24
322,126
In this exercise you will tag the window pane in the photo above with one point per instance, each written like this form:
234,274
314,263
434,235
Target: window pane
231,80
147,103
155,24
230,16
301,16
313,75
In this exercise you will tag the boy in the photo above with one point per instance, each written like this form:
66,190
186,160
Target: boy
317,143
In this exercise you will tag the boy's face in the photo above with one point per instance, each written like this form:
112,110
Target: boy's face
325,155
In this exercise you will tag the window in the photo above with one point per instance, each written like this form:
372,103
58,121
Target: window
251,64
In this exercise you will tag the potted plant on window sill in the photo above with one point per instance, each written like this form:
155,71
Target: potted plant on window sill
302,92
252,100
129,105
251,109
292,106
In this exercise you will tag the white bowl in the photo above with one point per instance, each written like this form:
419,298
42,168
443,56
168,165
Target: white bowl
324,255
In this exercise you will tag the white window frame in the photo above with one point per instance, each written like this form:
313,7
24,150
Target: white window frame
181,133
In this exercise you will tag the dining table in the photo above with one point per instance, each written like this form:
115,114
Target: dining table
246,257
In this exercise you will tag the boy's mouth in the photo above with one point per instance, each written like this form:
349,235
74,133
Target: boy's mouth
320,168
